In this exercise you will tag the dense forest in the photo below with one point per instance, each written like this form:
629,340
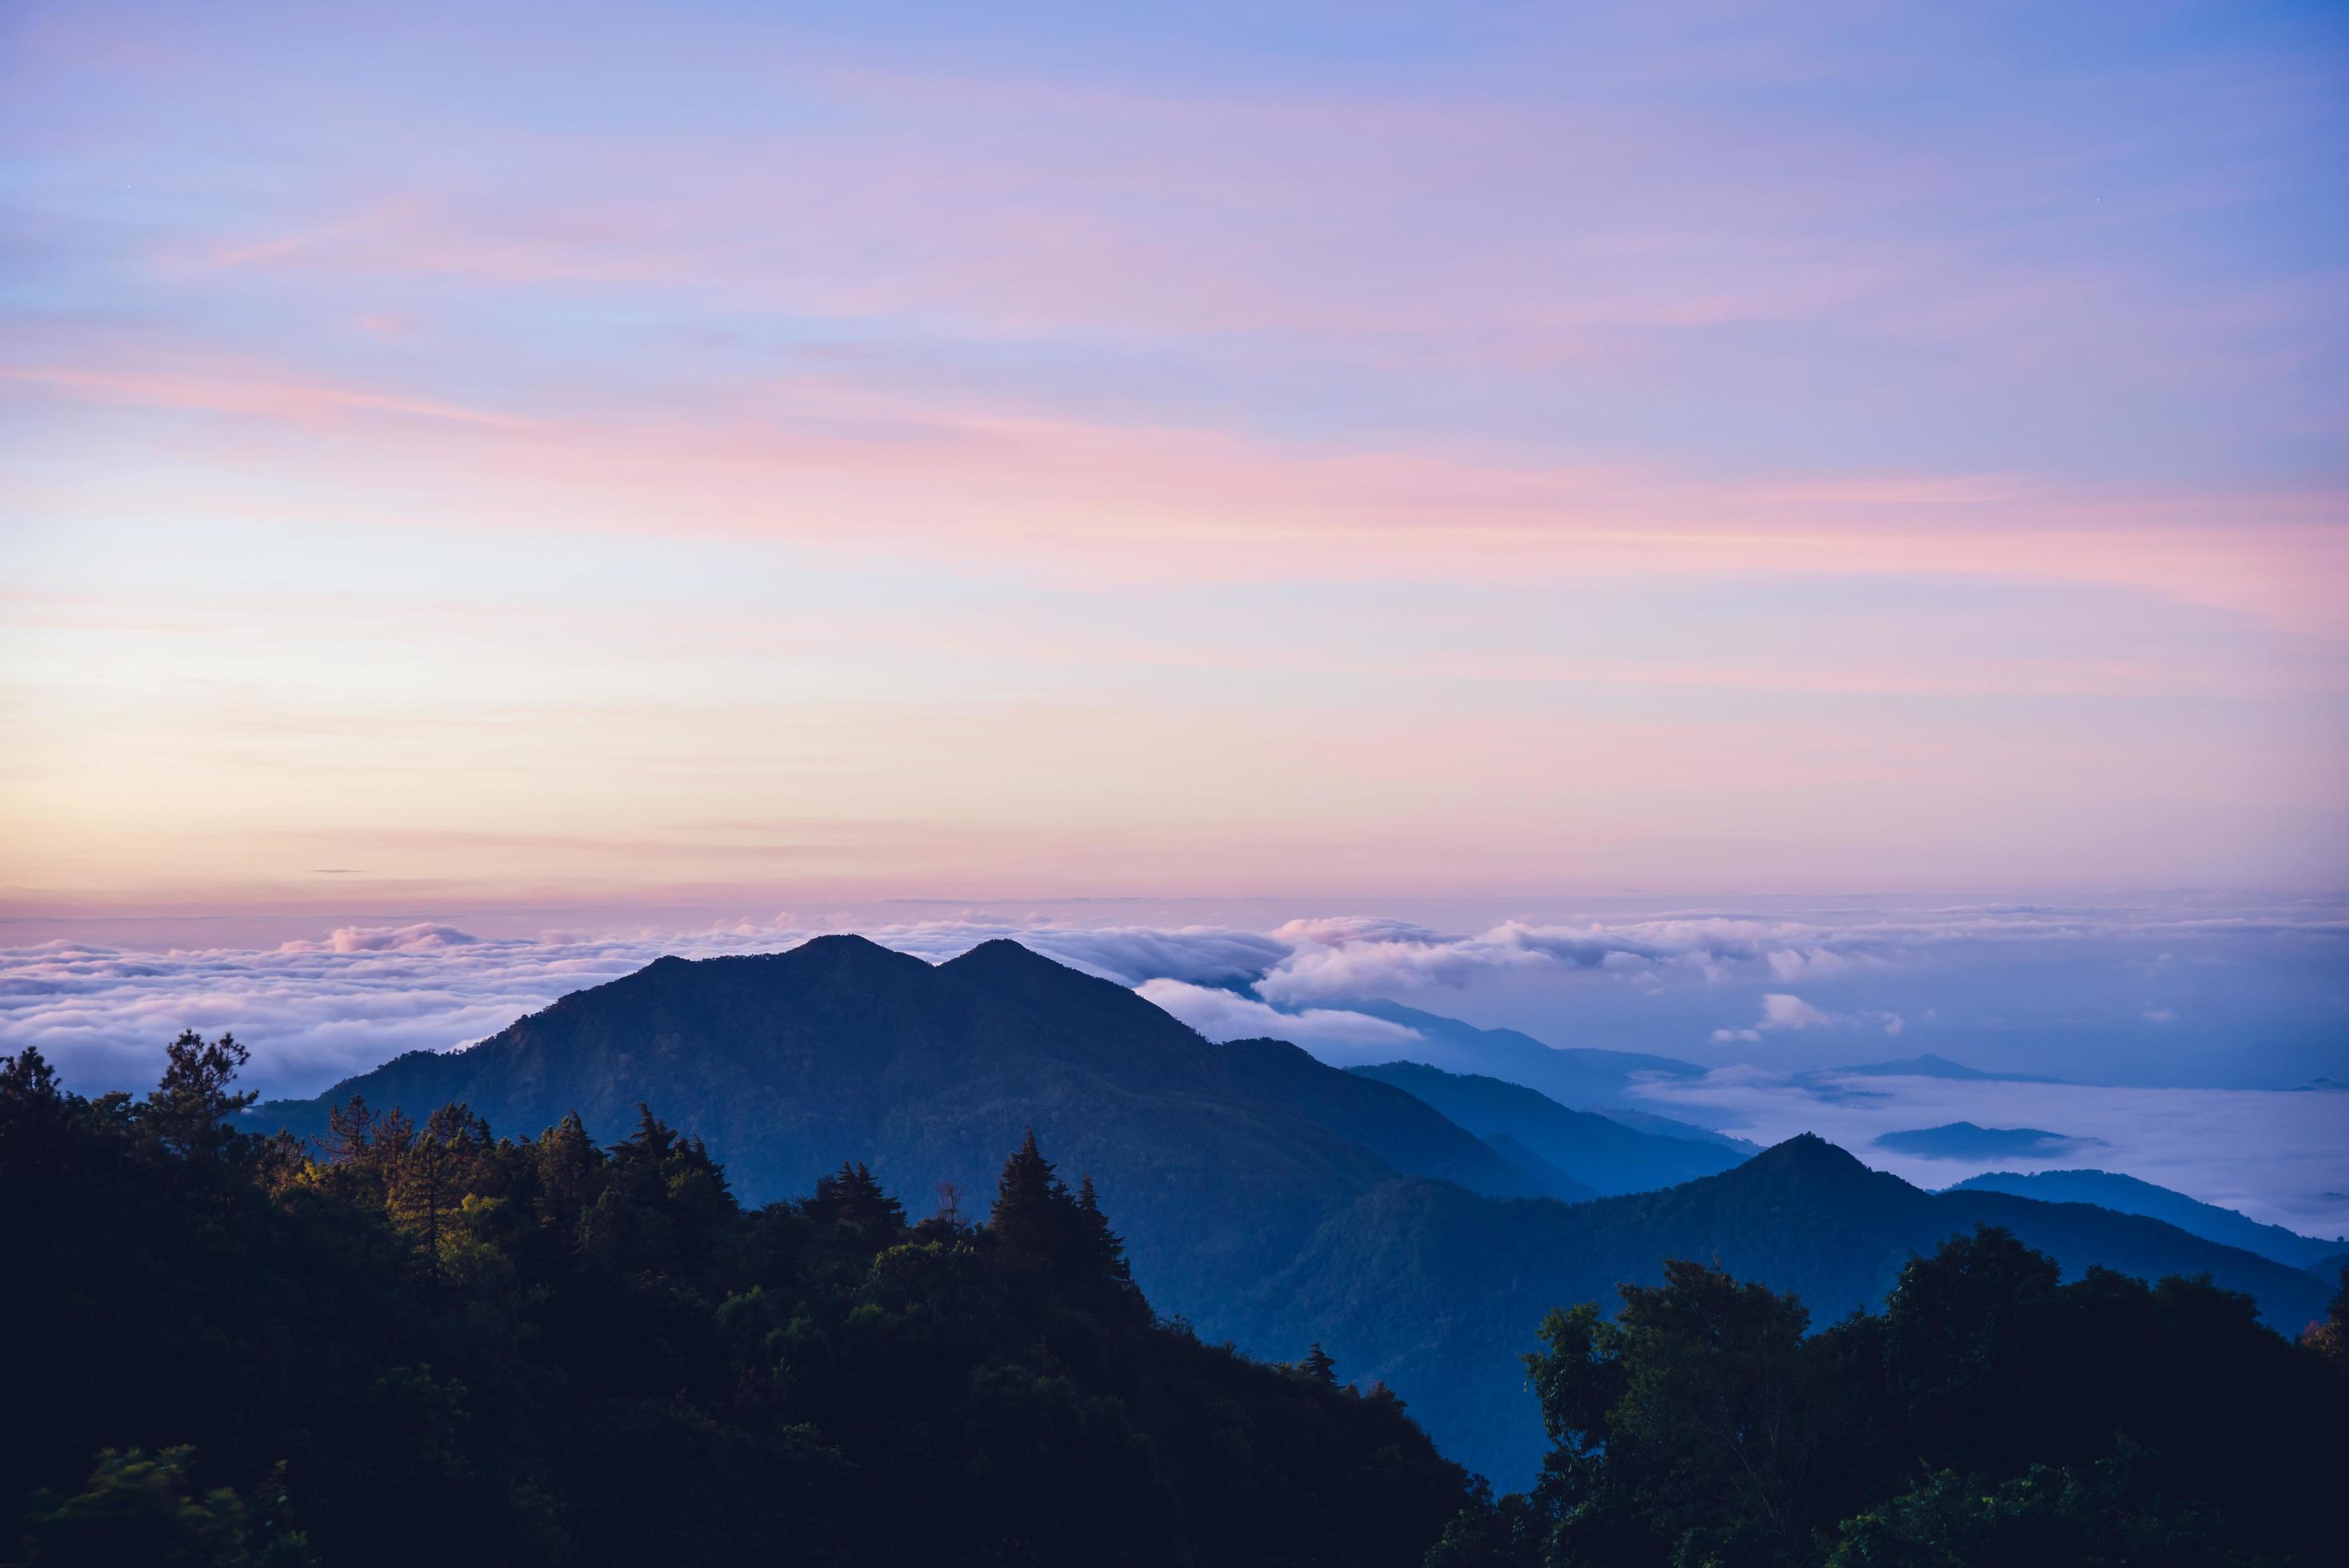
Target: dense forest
417,1341
1990,1416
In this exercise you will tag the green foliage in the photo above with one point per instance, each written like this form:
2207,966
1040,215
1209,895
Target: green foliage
2101,1515
142,1510
429,1340
2329,1335
1991,1415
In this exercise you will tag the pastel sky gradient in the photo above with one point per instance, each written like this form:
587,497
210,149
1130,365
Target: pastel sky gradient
596,451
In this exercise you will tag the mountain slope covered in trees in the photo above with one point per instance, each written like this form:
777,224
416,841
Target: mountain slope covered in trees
434,1343
1804,1217
1988,1416
2111,1189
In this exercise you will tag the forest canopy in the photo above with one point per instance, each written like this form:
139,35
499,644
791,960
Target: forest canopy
419,1340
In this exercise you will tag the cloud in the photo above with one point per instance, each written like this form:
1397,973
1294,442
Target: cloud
1801,964
1779,1012
1327,1032
385,939
1363,958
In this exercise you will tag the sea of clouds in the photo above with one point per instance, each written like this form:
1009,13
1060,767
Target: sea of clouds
1763,1000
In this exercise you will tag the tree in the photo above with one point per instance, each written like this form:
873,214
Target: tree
569,1167
1720,1408
1320,1365
854,1201
350,1132
1964,1330
1099,1263
429,1178
2329,1336
189,1108
32,1110
1026,1220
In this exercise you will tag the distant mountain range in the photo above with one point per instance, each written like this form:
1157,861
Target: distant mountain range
1931,1065
1579,1077
2110,1189
1265,1196
1603,1155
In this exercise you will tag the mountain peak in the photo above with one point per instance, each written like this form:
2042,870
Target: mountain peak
1808,1155
1003,951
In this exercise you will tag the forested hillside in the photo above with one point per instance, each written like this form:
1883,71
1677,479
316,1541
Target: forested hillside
434,1344
1990,1416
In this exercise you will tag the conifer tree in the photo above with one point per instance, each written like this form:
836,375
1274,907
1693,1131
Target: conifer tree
1101,1254
350,1130
32,1110
1322,1365
188,1110
567,1164
855,1200
1027,1218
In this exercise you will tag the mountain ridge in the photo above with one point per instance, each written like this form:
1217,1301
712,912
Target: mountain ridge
1266,1197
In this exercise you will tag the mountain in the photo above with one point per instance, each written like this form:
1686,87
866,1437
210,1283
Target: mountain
1263,1196
1931,1065
1590,1149
1581,1077
1553,1182
789,1063
2127,1194
1803,1216
1965,1140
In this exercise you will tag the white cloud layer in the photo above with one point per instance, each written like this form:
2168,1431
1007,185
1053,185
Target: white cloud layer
1329,1033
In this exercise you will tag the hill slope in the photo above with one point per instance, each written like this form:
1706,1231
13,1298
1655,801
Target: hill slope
2110,1189
1594,1149
1387,1284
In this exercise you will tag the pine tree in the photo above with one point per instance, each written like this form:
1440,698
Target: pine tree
1027,1220
350,1131
1322,1365
855,1200
189,1108
568,1165
1104,1275
32,1110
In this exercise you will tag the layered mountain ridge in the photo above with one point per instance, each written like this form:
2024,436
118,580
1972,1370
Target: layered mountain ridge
1265,1196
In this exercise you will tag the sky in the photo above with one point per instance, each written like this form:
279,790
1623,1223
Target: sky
463,458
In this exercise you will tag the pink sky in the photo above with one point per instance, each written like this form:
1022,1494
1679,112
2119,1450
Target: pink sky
609,452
